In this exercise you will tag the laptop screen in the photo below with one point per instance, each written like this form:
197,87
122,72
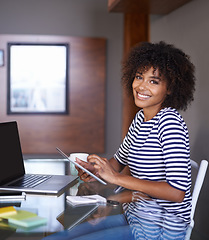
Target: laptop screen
11,160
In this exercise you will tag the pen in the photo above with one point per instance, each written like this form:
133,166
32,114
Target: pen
90,198
99,201
110,202
118,189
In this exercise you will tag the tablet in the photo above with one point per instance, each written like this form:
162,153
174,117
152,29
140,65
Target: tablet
81,167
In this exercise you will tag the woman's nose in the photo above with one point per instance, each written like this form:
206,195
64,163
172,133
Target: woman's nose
142,85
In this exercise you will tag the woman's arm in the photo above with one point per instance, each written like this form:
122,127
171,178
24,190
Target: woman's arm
160,190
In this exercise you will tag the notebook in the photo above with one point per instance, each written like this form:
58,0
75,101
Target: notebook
12,170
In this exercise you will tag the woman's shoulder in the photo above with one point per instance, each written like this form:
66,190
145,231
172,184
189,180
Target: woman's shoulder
171,117
170,113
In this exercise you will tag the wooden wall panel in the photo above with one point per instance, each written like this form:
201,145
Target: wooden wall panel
136,30
83,128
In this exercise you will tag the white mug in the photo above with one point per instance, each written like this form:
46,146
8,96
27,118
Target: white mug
73,156
81,156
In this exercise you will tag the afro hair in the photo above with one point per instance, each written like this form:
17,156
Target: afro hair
172,63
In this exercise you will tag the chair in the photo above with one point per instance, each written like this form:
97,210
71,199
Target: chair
196,190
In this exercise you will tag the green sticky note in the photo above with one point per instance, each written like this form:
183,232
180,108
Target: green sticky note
26,219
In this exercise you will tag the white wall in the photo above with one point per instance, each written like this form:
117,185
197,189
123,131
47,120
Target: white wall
83,18
188,29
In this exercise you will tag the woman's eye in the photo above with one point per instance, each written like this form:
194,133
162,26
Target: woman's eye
138,77
154,82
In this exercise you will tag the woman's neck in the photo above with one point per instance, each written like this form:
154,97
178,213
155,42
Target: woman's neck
148,115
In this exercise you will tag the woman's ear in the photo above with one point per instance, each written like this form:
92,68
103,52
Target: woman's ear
168,92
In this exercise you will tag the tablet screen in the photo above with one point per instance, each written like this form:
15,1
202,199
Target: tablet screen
81,167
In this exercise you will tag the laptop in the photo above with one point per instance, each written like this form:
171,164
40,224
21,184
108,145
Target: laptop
12,170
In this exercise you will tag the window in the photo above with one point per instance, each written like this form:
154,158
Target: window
37,78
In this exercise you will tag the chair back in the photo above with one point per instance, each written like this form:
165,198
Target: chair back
196,190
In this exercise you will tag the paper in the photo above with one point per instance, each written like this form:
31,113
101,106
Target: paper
87,199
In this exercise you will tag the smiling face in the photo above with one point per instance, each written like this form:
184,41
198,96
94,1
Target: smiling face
149,91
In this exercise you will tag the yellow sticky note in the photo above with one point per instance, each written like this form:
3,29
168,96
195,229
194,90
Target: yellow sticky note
7,211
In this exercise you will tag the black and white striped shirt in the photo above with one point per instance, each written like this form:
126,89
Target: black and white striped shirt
158,150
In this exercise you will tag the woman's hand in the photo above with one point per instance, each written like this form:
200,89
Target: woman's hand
83,175
103,167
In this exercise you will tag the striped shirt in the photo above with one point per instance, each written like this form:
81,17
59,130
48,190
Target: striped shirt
158,150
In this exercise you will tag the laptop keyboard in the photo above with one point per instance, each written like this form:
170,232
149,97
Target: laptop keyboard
31,180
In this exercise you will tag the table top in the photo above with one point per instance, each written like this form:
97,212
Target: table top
59,213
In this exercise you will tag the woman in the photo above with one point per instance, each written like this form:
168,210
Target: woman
156,148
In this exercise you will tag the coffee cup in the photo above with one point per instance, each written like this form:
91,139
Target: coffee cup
73,156
81,156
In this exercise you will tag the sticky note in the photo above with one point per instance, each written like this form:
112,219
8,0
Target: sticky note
28,222
25,219
7,211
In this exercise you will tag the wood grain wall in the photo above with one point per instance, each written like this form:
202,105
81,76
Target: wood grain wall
83,128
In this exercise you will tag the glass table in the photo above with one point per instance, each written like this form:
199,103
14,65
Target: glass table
59,213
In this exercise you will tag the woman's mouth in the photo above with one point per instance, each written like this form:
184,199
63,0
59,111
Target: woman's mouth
142,96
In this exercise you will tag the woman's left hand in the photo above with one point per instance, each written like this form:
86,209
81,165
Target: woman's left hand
103,167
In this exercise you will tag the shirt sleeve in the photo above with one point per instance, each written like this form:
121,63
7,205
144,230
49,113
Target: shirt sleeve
174,139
